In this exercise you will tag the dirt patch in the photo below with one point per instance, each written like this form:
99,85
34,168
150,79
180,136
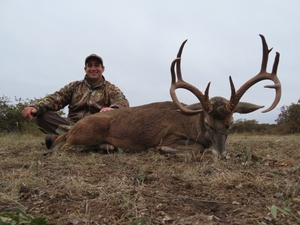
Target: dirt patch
150,188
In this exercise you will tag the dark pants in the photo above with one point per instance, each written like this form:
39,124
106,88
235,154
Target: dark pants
51,123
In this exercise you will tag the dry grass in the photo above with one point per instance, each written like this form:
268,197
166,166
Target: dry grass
150,188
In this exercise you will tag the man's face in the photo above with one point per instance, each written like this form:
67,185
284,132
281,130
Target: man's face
94,70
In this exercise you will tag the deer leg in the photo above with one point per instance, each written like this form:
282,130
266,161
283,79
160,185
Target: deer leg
195,148
166,150
107,147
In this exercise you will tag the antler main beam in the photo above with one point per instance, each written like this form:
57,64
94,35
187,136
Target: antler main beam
262,75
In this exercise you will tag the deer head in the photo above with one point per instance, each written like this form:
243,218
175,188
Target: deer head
216,113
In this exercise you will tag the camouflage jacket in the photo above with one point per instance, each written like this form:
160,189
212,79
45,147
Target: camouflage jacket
83,99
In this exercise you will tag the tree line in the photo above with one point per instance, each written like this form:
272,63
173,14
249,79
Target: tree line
287,122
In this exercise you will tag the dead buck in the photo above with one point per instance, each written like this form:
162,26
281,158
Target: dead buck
162,126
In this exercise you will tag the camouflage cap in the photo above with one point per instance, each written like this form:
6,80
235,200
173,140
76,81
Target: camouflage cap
93,56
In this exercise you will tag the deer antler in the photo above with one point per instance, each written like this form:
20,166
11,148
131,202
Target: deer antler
204,99
262,75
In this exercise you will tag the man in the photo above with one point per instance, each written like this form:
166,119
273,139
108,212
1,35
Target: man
91,95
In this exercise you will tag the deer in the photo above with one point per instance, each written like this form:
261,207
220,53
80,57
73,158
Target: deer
171,126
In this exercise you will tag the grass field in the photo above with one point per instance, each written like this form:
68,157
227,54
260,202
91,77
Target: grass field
258,175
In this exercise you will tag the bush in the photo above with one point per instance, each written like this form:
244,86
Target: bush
289,118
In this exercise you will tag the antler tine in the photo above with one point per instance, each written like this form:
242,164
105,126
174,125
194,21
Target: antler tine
182,84
266,52
230,106
276,85
262,75
178,67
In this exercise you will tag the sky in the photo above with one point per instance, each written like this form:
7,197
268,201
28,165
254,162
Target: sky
43,45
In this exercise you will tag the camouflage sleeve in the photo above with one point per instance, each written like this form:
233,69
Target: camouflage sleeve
117,98
55,101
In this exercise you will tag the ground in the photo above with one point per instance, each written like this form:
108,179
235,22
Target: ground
257,173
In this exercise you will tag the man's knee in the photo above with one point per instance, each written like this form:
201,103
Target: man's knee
50,122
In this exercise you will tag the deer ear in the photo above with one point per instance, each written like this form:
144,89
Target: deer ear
245,107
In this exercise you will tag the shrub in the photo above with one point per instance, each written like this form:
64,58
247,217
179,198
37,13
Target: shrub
289,119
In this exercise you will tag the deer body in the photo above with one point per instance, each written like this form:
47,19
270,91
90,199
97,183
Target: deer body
170,125
157,125
140,128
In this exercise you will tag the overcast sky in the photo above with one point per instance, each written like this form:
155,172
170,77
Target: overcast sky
43,45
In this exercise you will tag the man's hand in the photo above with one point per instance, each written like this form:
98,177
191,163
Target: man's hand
29,112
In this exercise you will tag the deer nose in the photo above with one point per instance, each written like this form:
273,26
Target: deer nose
218,152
